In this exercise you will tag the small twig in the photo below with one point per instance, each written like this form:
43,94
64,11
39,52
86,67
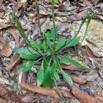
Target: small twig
38,14
53,17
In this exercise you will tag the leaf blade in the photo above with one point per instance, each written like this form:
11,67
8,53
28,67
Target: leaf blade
60,42
25,50
55,1
53,33
67,78
72,62
47,77
29,57
72,42
40,75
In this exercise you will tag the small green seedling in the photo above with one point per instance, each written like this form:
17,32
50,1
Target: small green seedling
49,53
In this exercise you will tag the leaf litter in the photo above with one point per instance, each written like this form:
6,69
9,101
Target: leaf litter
66,12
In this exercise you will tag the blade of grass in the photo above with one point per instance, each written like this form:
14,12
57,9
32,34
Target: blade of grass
58,90
89,20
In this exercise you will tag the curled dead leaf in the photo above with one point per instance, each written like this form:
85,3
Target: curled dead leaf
40,90
29,97
13,61
17,6
85,98
78,79
4,26
3,100
3,92
56,100
86,2
1,14
23,77
90,52
6,50
16,37
66,94
70,67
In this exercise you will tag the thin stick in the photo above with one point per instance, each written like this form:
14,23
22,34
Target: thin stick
38,14
53,17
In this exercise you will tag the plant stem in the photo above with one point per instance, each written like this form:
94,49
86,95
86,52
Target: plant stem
53,17
38,14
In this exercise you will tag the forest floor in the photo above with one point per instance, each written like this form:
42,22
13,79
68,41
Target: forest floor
19,87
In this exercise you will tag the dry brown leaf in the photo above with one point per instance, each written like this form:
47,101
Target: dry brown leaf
23,77
87,2
29,97
35,19
56,100
70,67
6,50
91,53
14,98
66,94
96,1
78,79
1,14
3,100
78,16
98,95
17,6
13,61
3,92
40,90
4,26
85,98
16,37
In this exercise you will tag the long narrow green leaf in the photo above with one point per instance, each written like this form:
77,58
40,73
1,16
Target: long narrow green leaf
56,76
46,37
20,28
72,42
30,56
72,62
44,46
25,51
53,33
58,90
47,77
60,42
88,22
40,75
67,78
